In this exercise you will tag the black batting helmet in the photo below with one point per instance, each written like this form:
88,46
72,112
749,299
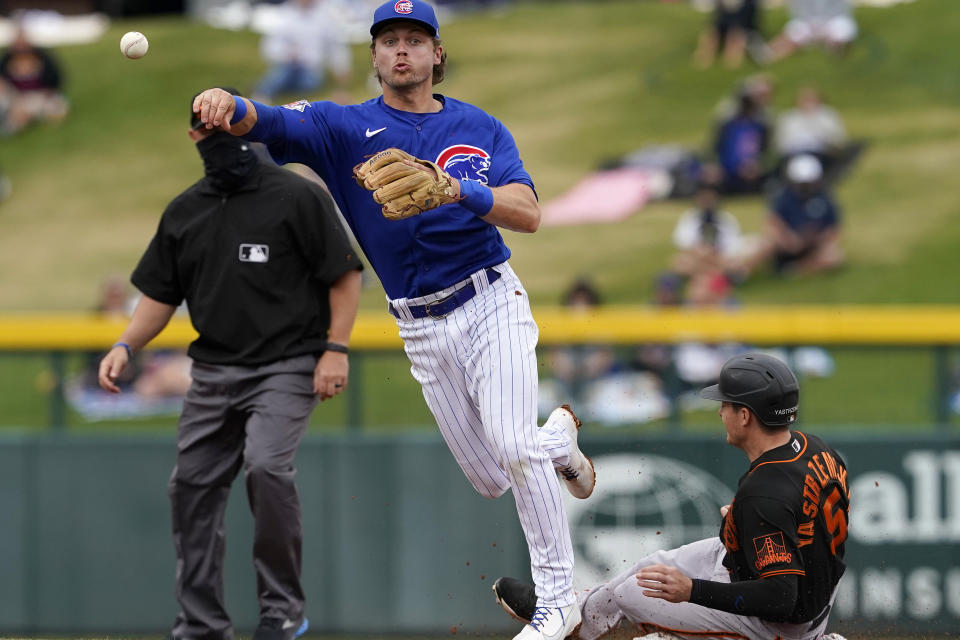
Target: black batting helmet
763,384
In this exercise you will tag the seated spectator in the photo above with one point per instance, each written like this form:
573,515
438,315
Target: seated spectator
157,380
575,366
30,86
731,29
710,289
591,378
829,23
761,88
681,367
657,358
707,238
803,230
816,128
740,145
305,41
953,399
6,186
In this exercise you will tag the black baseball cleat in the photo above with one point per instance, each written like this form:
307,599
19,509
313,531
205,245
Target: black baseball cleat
517,598
280,629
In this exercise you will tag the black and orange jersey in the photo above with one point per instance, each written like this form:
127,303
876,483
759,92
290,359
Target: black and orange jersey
789,517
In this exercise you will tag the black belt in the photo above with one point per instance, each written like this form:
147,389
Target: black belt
448,305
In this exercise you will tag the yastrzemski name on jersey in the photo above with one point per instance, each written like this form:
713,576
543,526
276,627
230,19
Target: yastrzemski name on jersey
789,516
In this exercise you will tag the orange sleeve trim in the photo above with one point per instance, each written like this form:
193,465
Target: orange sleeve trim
797,457
784,572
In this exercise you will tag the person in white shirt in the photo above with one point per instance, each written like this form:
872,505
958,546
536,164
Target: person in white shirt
707,238
811,127
825,22
814,127
306,41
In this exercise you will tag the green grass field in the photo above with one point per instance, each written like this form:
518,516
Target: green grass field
576,83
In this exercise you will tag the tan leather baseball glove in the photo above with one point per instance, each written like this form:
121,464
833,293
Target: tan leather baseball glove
405,185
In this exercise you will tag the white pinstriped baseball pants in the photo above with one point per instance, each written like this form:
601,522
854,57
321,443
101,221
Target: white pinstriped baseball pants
478,371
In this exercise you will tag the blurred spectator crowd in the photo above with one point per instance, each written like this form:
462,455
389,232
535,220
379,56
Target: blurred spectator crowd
617,386
734,31
154,384
31,86
31,90
790,160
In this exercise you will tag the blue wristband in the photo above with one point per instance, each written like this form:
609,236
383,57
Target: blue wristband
125,346
477,197
240,111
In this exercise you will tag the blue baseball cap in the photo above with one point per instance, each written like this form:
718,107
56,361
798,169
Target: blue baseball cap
408,10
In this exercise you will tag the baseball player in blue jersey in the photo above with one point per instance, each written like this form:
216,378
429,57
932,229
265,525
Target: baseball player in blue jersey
462,312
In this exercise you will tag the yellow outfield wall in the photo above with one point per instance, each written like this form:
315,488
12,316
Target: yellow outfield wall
865,325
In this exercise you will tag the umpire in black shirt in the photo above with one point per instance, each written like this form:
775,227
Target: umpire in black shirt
272,286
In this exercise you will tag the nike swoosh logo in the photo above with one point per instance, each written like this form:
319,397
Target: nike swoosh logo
370,134
287,624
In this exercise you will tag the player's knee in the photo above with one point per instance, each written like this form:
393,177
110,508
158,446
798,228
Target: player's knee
195,471
517,466
265,468
629,597
488,486
661,556
490,491
511,452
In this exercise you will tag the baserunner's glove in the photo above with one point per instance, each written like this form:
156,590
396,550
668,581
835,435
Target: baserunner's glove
404,184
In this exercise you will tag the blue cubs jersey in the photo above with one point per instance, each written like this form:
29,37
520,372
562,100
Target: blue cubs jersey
427,252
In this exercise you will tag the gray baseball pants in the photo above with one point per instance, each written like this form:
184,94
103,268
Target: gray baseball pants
236,416
603,607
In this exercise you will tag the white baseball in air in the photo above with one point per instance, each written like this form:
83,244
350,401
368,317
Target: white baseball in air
134,45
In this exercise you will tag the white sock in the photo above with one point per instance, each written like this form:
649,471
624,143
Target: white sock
554,440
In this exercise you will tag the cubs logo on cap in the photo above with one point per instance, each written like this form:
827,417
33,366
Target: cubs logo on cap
408,10
465,162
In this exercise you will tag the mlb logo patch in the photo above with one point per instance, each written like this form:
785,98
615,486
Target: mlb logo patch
254,253
299,105
403,6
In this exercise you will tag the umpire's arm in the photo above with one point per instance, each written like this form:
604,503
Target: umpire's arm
332,372
344,300
149,319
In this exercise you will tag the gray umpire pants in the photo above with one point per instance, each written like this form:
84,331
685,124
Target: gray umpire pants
236,416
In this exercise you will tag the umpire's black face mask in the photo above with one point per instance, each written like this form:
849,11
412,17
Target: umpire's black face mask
227,160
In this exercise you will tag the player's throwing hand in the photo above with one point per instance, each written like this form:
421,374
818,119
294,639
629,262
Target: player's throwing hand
215,108
666,583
